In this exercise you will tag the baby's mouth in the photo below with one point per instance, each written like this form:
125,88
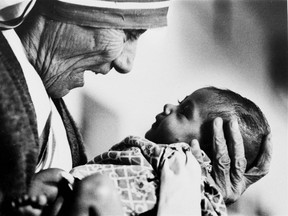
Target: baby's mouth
159,119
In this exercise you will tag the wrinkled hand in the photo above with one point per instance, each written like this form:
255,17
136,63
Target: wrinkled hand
45,194
229,174
180,185
48,182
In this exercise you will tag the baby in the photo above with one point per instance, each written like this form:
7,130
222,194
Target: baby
135,164
192,119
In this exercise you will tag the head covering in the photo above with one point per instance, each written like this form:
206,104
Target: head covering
123,14
12,12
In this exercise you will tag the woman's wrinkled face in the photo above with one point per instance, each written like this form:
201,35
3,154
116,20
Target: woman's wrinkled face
182,122
75,49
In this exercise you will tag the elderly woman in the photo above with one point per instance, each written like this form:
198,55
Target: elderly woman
43,57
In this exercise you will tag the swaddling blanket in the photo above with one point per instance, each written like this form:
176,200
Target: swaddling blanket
135,165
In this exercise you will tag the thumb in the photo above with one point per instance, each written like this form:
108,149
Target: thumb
196,151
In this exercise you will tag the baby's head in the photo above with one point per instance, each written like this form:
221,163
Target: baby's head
192,119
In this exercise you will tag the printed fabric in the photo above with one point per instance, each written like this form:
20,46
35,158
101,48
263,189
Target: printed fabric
134,165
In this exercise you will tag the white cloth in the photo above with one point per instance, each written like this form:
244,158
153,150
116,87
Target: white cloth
59,155
13,12
120,14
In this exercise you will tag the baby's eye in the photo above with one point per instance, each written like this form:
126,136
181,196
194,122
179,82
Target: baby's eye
185,111
181,112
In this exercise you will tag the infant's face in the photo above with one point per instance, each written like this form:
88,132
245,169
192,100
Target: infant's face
182,122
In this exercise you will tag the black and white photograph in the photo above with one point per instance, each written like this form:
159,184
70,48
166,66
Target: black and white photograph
143,107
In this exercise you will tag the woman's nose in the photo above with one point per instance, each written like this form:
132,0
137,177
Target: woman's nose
168,108
124,62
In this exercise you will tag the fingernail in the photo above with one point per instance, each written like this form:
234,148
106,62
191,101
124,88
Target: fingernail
33,198
194,142
42,199
26,197
13,204
235,124
269,136
218,122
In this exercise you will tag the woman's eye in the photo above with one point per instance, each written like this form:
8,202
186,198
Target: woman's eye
132,34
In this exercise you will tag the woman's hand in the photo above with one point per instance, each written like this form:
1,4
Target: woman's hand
46,193
229,173
180,192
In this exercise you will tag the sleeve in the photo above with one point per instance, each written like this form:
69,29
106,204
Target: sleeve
18,128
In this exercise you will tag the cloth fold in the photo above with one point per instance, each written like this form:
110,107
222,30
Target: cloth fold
13,12
122,14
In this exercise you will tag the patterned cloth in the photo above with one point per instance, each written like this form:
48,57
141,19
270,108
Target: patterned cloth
134,165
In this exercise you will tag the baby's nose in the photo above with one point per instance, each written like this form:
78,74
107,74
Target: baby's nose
168,108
